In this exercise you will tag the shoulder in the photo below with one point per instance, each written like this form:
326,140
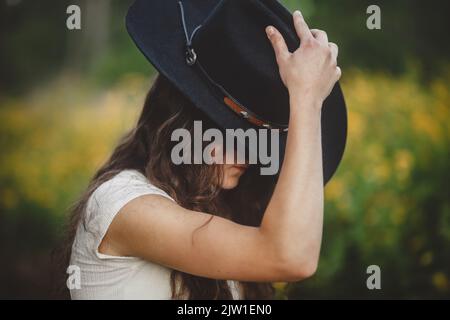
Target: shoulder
112,195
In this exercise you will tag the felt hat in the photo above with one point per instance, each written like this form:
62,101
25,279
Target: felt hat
218,55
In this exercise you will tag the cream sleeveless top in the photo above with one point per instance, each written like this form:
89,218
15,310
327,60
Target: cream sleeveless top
114,277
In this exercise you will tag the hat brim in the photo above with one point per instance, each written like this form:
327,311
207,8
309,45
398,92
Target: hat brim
164,47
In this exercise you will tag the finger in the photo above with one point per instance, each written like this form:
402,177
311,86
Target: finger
338,73
279,45
334,50
301,27
320,35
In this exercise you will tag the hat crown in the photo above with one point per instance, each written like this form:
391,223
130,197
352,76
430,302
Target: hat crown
232,47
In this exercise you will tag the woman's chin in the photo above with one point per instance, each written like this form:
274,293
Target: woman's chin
230,183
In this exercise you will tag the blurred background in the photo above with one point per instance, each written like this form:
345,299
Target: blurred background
67,96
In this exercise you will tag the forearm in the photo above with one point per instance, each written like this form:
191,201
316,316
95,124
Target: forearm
294,217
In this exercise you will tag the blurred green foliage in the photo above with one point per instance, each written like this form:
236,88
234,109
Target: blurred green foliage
64,105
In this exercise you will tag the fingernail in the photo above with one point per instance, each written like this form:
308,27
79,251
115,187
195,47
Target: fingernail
269,31
297,13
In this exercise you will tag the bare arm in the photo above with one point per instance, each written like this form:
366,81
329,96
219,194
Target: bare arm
286,246
294,217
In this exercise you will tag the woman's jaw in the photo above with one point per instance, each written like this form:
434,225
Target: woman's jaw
231,175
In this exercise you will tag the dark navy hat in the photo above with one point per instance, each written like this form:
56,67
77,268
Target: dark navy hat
218,55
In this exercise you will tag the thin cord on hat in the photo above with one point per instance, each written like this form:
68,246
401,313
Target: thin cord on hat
188,39
191,51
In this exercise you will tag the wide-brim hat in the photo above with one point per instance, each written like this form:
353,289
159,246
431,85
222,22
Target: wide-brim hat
218,55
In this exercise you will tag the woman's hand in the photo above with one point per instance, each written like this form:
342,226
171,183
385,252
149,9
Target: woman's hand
311,71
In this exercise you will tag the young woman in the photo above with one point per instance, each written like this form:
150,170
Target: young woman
149,229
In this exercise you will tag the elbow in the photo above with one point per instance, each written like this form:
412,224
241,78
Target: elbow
292,262
295,271
298,267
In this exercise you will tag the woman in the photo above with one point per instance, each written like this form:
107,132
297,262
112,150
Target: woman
149,229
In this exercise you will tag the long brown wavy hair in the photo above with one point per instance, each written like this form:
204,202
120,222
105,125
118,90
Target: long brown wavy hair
147,148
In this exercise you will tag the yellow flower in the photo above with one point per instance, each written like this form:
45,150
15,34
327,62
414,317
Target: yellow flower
440,281
356,125
403,163
334,189
279,285
425,124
